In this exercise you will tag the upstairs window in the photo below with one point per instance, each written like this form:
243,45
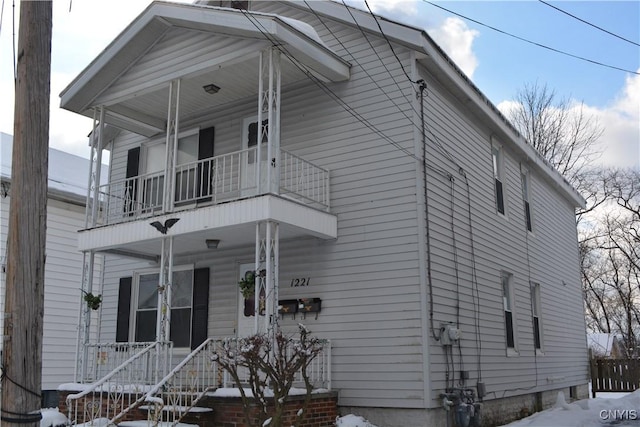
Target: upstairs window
524,178
497,160
507,303
535,316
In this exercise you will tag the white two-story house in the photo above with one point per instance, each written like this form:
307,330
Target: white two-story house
382,199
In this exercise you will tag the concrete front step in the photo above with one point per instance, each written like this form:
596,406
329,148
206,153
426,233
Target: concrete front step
197,416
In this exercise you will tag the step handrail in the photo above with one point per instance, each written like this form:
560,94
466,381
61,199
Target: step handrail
98,386
203,384
111,374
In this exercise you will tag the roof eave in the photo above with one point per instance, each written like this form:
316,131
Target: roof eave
159,17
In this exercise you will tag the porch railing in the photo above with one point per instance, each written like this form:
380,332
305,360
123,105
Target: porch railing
218,179
102,358
200,373
122,389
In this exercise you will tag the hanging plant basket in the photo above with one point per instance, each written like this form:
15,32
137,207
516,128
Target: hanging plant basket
248,284
93,301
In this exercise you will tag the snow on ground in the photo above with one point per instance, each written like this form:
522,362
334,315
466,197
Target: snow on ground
607,409
51,417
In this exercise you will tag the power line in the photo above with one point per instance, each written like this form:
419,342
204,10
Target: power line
323,86
436,141
588,23
532,42
387,40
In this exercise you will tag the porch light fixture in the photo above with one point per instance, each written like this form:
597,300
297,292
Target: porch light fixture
212,243
211,88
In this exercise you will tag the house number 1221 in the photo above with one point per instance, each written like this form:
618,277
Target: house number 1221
304,281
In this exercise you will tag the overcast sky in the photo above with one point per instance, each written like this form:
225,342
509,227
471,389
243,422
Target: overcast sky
498,64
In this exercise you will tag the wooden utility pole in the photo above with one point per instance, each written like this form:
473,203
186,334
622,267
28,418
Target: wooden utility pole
24,299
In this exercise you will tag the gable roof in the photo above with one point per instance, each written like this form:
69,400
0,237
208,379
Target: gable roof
304,45
160,17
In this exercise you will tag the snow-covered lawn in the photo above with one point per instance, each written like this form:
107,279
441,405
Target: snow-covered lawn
607,409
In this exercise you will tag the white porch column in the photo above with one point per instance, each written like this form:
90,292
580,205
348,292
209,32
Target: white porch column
163,320
171,147
269,110
88,261
267,255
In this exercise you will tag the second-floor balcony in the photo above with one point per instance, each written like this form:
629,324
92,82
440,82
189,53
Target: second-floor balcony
214,180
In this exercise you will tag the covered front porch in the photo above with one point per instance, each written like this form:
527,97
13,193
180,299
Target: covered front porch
178,78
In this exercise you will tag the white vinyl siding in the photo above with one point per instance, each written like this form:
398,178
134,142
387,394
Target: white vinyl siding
373,192
548,255
62,298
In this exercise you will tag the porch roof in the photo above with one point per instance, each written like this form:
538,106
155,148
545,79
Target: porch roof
233,224
93,86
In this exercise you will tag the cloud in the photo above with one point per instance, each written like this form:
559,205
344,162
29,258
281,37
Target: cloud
452,35
405,8
456,39
620,120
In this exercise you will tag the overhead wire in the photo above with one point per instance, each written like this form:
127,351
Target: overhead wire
588,23
324,87
602,64
446,153
387,40
356,115
1,16
436,141
364,70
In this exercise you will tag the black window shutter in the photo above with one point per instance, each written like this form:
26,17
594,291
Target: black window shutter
205,169
133,170
124,310
205,143
200,303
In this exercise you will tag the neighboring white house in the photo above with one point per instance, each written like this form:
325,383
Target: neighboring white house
67,194
388,202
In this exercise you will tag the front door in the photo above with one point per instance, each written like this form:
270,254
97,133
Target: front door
250,163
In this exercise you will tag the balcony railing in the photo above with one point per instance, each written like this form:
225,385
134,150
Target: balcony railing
217,179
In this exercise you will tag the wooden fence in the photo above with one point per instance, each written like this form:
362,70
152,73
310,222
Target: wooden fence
614,375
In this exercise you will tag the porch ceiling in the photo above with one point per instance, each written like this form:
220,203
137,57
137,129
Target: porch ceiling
233,224
131,76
